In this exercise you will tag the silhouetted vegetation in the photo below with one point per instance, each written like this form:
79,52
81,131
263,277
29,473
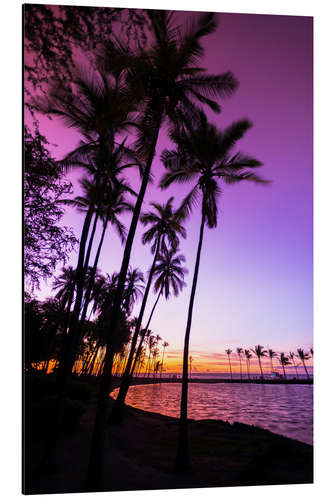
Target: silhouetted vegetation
117,77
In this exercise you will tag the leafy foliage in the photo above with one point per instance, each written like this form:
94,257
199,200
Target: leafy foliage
53,35
45,242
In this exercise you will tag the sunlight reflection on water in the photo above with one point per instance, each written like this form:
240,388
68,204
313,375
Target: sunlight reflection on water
283,409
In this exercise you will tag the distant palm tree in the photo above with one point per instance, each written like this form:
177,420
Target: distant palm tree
272,354
260,353
240,351
248,356
191,361
203,155
229,351
164,345
292,357
303,356
284,360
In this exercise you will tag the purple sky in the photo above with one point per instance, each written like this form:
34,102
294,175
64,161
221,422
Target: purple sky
255,280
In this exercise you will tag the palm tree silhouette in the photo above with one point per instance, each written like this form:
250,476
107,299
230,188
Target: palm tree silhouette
203,154
168,81
303,356
169,273
114,206
164,345
240,351
248,356
284,360
164,227
271,355
133,288
292,357
229,351
99,109
191,361
260,353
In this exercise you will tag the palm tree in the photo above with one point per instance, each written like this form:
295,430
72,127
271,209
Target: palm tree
191,361
292,357
164,345
229,351
271,355
303,356
114,206
64,283
284,362
260,353
240,351
99,109
248,356
164,227
169,273
133,289
203,154
168,81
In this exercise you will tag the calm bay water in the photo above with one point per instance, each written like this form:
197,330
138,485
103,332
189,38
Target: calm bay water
283,409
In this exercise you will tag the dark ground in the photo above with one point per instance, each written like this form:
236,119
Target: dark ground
140,455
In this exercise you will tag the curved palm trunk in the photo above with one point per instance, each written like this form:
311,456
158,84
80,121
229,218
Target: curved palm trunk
240,367
272,365
95,476
306,371
118,408
284,372
182,457
295,368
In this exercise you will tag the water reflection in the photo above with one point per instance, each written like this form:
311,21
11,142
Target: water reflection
284,409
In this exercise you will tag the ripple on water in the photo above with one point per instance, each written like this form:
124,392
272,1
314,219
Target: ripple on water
284,409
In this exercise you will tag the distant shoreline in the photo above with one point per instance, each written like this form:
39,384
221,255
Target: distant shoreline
163,380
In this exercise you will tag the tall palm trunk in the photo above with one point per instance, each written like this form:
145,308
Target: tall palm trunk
240,367
145,331
295,368
182,458
248,368
230,367
93,274
95,476
284,372
163,363
91,239
262,374
118,408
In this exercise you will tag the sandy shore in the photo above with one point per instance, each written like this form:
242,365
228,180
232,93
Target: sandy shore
140,455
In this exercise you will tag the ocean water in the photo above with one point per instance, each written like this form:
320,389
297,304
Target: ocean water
283,409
